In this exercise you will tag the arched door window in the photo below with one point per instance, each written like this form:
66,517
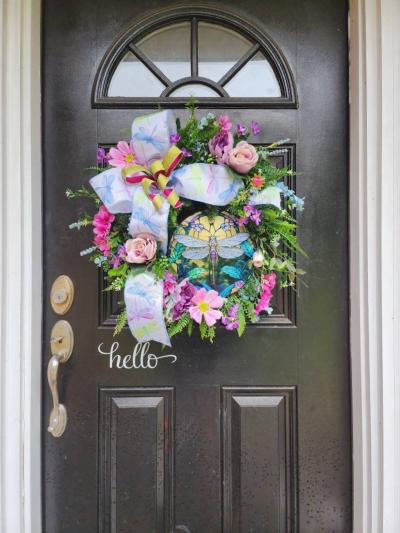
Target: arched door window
220,58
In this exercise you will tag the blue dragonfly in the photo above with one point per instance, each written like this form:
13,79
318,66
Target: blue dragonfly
140,214
137,289
231,190
144,135
106,196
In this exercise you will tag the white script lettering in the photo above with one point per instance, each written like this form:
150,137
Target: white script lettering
140,358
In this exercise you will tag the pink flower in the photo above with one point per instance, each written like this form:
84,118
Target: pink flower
141,249
102,221
268,284
101,241
243,157
170,282
220,146
224,123
205,304
123,155
257,180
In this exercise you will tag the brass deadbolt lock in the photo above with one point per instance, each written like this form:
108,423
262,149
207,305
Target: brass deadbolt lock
62,295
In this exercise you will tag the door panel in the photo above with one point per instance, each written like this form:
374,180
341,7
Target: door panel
243,435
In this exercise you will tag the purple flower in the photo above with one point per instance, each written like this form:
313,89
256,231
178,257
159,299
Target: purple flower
242,221
239,284
256,216
248,209
220,146
119,256
255,128
231,321
185,152
101,155
174,138
241,129
184,291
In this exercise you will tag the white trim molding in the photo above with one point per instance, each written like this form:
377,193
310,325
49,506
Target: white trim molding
20,266
375,262
374,254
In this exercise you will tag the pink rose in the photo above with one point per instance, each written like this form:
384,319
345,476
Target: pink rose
243,157
141,249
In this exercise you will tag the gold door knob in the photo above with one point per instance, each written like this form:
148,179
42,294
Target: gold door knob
62,344
62,295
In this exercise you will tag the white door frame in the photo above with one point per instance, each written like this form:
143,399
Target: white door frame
374,256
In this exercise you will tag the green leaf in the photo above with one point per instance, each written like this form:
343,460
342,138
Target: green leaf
119,271
300,272
137,269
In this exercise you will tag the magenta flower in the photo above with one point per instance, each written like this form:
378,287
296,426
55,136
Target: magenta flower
205,305
123,155
220,146
241,129
224,123
174,138
255,128
269,281
102,221
184,292
186,153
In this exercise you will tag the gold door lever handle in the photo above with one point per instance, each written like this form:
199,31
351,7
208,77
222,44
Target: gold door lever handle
62,343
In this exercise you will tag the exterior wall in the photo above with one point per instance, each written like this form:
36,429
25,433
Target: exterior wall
375,264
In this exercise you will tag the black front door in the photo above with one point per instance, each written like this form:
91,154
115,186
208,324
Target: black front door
243,435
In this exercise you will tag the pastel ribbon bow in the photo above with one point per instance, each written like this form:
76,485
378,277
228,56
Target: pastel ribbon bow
156,178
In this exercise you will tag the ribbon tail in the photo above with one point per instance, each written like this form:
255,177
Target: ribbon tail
144,305
269,196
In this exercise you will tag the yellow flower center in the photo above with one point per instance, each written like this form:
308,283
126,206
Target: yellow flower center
129,158
204,306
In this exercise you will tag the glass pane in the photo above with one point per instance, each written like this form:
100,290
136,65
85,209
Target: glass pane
169,49
219,49
196,89
255,79
132,78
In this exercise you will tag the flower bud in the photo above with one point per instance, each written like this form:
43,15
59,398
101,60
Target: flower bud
258,259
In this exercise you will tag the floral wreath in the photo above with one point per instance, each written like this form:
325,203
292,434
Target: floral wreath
190,225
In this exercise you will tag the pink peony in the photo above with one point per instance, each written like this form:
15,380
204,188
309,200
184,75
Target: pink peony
205,304
243,157
123,155
141,249
220,146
